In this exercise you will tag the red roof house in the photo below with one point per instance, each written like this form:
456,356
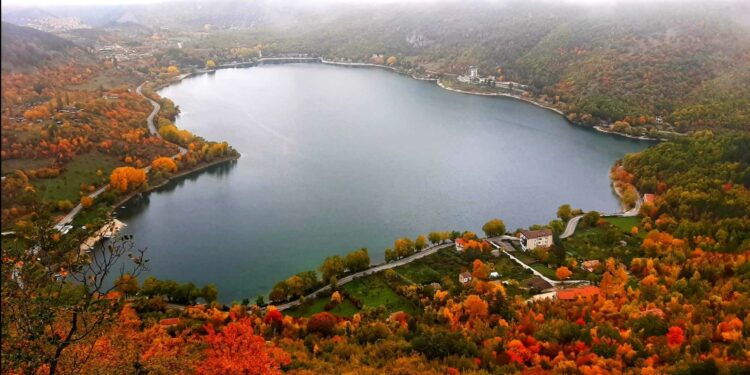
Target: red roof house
460,244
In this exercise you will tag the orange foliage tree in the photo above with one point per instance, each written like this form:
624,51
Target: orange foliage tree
87,201
127,178
563,273
164,165
237,350
475,306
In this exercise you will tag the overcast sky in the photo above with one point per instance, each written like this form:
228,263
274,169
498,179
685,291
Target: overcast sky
117,2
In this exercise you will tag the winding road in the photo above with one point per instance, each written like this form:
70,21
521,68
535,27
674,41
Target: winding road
386,266
573,222
67,219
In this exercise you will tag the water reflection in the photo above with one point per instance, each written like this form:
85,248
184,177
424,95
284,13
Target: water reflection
140,202
337,159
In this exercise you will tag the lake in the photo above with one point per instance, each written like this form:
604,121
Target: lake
334,159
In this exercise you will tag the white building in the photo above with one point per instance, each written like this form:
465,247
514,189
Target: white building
473,72
531,239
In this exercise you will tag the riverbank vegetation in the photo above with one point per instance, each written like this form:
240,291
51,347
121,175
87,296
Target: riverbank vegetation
668,293
65,136
666,69
701,189
664,303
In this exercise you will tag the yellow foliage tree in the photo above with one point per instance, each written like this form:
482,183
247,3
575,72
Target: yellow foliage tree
392,61
127,178
336,297
164,165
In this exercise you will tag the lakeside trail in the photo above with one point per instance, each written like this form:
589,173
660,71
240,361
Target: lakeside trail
570,228
421,254
68,218
372,270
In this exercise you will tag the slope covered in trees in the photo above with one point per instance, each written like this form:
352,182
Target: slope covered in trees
685,64
679,304
24,48
701,186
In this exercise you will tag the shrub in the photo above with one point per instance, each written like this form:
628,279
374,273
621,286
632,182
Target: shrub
322,323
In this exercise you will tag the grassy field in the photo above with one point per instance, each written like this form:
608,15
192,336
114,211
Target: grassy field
603,242
373,291
345,308
627,223
92,215
433,268
544,270
81,170
509,269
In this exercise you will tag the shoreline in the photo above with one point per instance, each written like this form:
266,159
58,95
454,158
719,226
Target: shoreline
150,189
601,129
598,128
516,97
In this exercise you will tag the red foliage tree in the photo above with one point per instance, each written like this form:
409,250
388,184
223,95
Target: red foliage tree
322,323
237,350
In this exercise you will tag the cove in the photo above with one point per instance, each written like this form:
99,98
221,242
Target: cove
334,159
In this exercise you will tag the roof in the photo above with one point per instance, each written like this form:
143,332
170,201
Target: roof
593,263
537,283
460,242
464,275
574,293
648,198
169,321
536,233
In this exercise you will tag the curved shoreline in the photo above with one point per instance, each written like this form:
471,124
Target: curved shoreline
516,97
439,84
185,173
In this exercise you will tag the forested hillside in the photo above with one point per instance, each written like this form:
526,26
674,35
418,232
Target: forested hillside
687,64
25,49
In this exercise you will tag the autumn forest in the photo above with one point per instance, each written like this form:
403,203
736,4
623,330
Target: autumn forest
661,288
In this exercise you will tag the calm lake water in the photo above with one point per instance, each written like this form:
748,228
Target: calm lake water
334,159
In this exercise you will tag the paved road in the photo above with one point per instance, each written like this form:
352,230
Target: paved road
573,222
150,119
154,111
67,219
421,254
524,265
571,227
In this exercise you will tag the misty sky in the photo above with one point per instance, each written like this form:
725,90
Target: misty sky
117,2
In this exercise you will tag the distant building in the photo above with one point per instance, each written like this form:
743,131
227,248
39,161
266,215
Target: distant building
590,265
584,292
531,239
494,275
473,72
460,244
464,278
648,198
